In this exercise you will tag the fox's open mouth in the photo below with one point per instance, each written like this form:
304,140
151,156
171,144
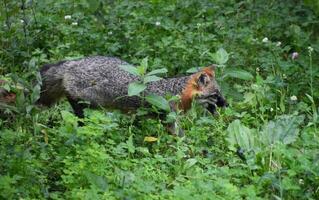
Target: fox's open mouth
212,101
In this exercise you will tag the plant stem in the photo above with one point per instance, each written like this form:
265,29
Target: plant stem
7,15
314,112
270,158
24,19
33,13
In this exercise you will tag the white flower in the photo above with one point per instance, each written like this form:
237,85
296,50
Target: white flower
74,23
301,182
22,21
66,17
278,44
293,98
257,69
157,23
310,49
294,55
271,110
110,33
265,40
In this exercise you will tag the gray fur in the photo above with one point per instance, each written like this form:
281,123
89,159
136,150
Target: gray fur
100,81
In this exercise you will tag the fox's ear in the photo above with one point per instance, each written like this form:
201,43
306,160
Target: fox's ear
210,70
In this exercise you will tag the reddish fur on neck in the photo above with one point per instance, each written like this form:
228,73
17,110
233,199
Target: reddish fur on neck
188,94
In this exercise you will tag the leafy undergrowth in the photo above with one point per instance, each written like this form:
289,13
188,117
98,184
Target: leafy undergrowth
265,145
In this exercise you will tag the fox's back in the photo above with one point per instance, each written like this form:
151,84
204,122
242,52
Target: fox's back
88,72
96,79
99,80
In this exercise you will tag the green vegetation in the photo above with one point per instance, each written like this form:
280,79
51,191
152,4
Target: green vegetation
265,145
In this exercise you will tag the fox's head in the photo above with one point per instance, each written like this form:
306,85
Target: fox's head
203,88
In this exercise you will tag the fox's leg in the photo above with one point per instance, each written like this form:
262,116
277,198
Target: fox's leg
78,108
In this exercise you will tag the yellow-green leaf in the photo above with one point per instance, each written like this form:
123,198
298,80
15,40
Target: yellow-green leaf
150,139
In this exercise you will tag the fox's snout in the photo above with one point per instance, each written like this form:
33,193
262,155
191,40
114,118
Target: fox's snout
208,91
218,101
213,100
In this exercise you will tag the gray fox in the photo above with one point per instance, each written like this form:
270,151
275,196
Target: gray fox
100,81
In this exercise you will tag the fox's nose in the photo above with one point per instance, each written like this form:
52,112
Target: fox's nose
220,100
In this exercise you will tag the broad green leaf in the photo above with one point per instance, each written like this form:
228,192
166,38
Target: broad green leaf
94,4
310,98
250,99
20,99
141,112
143,67
157,71
130,69
98,181
135,88
158,101
313,4
70,121
220,57
141,70
35,93
239,73
171,117
194,70
6,87
151,78
130,145
284,130
190,162
240,135
67,116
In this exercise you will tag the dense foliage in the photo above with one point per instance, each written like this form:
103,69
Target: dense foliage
264,146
